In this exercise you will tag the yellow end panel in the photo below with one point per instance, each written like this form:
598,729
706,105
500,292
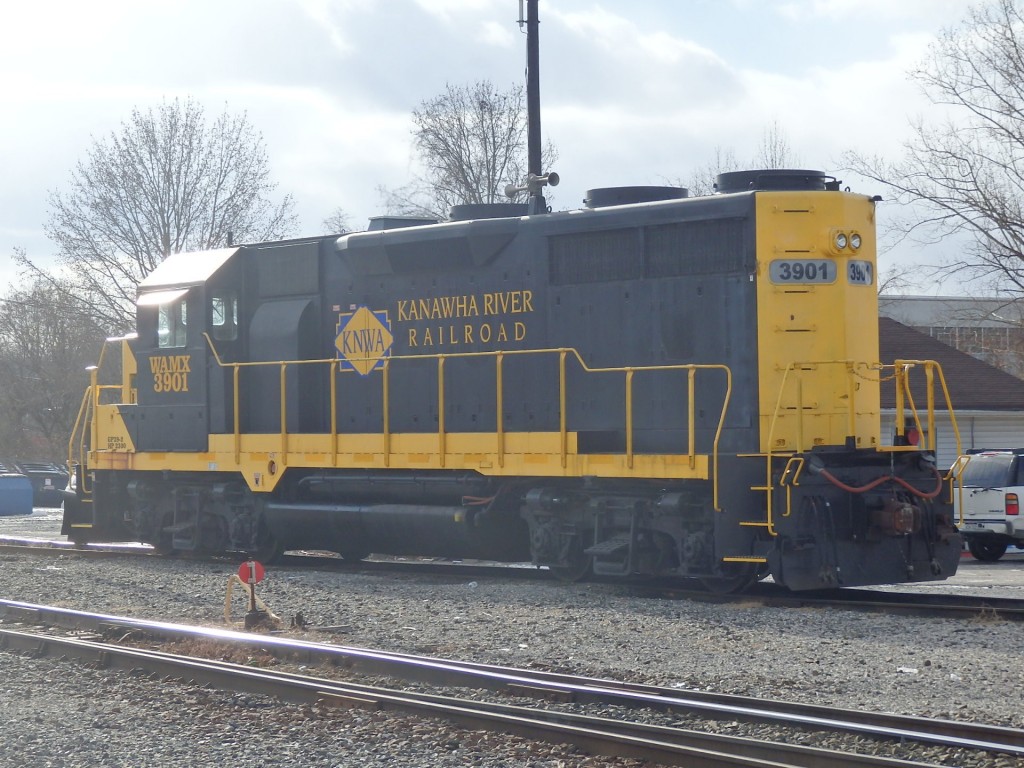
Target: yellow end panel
111,434
817,316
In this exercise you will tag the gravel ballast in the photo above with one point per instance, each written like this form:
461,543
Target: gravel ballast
63,714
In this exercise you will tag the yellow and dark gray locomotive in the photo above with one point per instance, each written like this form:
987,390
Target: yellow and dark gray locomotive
651,385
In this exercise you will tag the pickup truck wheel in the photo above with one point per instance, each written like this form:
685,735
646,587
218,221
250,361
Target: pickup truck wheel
987,551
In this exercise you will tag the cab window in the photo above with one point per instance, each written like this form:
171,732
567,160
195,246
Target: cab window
172,324
224,315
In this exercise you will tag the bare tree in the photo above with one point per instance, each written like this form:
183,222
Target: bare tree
166,182
471,143
897,279
46,337
337,223
774,152
963,174
702,181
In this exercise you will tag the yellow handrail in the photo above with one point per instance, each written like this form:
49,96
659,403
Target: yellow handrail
83,411
956,471
901,370
499,356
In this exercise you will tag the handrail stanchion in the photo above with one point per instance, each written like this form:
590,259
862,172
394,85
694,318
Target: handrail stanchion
952,414
500,407
929,377
386,410
718,436
799,411
562,421
851,390
629,418
238,412
83,408
691,394
899,373
284,412
441,443
334,412
94,424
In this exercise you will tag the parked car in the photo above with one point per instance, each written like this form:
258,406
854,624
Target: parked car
993,483
48,480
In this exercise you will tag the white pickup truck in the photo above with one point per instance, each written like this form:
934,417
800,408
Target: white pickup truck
993,483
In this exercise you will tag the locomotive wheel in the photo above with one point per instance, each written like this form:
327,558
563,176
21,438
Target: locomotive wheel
570,574
354,555
988,551
162,542
268,548
268,551
739,579
579,566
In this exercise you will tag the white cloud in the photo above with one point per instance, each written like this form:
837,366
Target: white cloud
633,97
876,10
498,35
456,11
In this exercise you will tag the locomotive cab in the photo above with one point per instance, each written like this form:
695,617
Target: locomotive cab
187,303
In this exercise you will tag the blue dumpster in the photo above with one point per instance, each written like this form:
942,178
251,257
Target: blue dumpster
15,494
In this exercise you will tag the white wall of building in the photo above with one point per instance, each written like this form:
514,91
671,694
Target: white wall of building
978,429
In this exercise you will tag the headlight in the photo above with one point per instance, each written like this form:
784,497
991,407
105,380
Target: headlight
841,240
855,241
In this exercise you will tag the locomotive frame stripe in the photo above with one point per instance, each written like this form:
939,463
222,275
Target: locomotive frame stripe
262,463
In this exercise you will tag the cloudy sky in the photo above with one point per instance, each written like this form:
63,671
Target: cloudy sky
638,92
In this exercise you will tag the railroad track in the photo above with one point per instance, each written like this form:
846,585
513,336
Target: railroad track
50,547
663,744
871,600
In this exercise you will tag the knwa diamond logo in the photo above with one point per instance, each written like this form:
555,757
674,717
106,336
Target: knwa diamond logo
364,340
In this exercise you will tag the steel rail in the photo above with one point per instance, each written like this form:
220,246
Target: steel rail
24,545
949,733
874,601
848,599
914,604
663,744
29,546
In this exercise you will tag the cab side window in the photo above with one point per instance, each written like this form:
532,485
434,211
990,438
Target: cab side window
224,315
172,324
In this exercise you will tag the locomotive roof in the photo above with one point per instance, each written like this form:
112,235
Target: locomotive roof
184,270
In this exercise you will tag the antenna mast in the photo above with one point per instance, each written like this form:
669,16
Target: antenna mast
535,180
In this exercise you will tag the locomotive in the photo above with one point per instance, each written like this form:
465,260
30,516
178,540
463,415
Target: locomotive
651,385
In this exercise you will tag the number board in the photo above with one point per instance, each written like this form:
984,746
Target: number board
788,271
861,273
